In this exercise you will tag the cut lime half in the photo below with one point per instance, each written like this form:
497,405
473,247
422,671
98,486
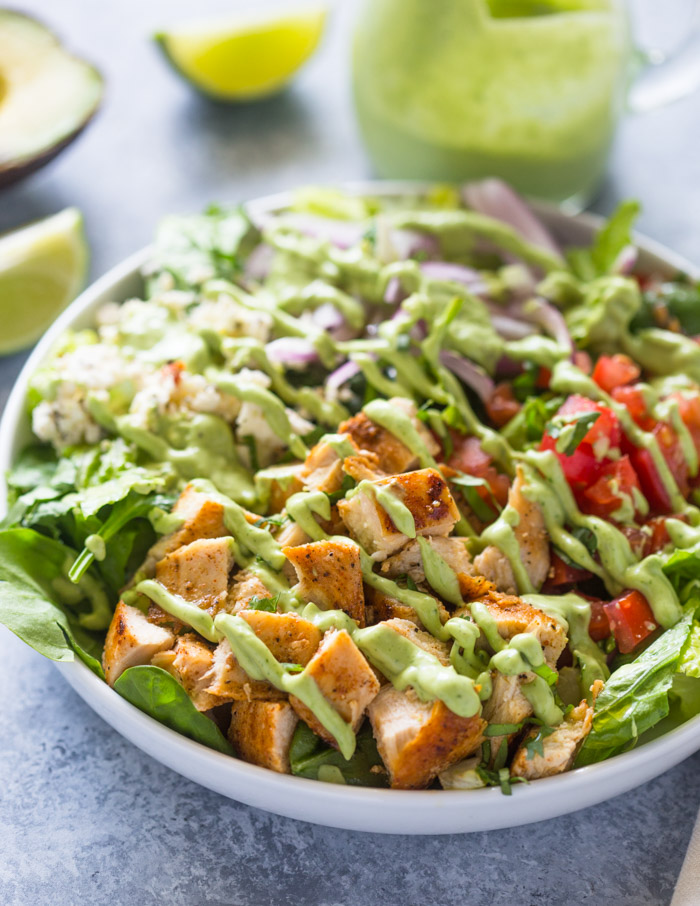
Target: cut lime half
247,57
42,269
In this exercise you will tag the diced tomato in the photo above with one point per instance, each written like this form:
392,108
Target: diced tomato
689,410
502,405
631,620
599,625
617,481
652,486
561,573
651,537
613,371
635,403
606,426
467,456
583,467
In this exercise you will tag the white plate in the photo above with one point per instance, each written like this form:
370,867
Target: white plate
354,808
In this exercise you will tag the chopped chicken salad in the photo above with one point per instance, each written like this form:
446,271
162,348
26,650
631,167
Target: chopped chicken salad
389,491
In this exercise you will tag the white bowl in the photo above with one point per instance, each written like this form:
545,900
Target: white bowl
354,808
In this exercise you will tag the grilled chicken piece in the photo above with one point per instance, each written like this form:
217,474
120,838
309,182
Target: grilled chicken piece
203,518
514,616
190,662
244,588
330,576
424,493
507,704
199,572
131,641
279,483
531,534
261,733
228,681
408,561
323,469
417,740
422,639
290,638
560,747
363,467
380,608
344,678
393,456
291,535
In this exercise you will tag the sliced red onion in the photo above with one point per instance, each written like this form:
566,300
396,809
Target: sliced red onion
259,262
508,368
550,319
394,293
626,260
340,376
327,317
295,352
496,199
343,233
468,372
457,273
398,245
510,328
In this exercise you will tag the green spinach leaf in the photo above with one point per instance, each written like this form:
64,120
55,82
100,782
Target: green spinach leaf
308,754
155,692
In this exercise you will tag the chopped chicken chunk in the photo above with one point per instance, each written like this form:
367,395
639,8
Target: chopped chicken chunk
323,469
363,467
131,641
190,662
422,639
228,681
290,638
424,493
393,455
199,572
531,534
278,483
408,561
244,588
344,678
330,576
383,607
203,518
417,740
560,747
261,733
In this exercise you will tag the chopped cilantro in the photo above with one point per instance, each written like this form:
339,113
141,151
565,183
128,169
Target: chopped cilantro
468,485
269,605
569,430
535,745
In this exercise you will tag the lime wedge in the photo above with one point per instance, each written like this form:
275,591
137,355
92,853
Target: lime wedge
244,58
42,269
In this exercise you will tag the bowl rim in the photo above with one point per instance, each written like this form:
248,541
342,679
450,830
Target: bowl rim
390,811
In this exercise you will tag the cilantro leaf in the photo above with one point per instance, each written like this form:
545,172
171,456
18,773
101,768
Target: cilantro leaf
570,430
535,744
269,605
610,240
468,485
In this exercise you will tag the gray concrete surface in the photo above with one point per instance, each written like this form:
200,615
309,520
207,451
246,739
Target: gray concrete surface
87,818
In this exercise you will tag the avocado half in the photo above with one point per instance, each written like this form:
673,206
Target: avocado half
47,96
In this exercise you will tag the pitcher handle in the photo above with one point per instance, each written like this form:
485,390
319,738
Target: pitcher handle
664,77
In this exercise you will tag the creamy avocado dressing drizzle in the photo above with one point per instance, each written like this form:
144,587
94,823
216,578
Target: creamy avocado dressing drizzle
270,405
398,423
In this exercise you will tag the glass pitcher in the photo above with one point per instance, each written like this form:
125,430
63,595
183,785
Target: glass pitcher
528,90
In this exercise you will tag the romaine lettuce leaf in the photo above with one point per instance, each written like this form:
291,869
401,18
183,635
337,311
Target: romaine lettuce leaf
598,260
636,697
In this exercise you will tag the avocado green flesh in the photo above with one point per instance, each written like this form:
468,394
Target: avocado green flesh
47,96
